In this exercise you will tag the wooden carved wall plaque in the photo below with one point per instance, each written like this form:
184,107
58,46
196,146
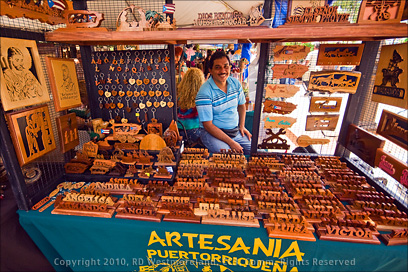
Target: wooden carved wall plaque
391,80
325,104
394,128
289,70
340,54
321,122
280,107
314,15
392,166
363,144
290,52
334,81
384,11
280,90
67,131
278,122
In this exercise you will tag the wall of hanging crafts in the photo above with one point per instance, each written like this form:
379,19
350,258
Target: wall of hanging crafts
134,86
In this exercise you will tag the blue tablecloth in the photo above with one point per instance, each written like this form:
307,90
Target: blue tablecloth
76,243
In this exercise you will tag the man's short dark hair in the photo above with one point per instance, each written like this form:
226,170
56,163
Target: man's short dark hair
217,55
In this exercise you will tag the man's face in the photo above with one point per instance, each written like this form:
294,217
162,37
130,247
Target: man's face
220,70
17,61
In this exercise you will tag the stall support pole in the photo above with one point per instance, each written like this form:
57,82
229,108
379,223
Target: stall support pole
263,60
353,110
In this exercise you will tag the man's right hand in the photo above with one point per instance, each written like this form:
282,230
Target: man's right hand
236,147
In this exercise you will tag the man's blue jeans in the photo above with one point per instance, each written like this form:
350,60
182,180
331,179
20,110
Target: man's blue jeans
214,145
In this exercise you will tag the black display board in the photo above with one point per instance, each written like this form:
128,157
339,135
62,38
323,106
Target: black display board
135,85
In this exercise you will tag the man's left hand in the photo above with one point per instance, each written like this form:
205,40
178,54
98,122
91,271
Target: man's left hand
244,132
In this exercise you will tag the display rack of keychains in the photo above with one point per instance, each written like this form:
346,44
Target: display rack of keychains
134,86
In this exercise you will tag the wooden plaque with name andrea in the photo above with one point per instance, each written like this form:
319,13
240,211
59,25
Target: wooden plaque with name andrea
394,128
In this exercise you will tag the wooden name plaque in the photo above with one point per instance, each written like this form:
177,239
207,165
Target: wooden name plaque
392,166
288,70
340,54
290,52
394,128
334,81
84,209
325,104
280,90
230,218
138,211
318,15
278,122
396,237
185,215
391,80
363,143
347,234
322,122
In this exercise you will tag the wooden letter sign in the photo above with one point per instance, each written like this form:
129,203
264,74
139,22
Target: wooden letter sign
280,90
340,54
391,81
325,104
392,166
394,128
279,122
321,122
363,144
67,131
389,11
289,70
290,52
334,81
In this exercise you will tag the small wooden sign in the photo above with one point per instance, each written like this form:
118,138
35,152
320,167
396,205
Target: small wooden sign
391,80
314,15
91,149
381,12
340,54
217,19
363,143
278,122
325,104
392,166
288,70
31,132
305,140
68,131
290,52
394,128
334,81
321,122
280,90
280,107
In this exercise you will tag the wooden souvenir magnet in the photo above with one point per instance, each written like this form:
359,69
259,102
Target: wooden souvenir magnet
394,127
280,90
363,143
340,54
321,122
288,70
325,104
334,81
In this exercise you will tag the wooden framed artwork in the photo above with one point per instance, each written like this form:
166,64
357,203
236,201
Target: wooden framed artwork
325,104
22,78
64,83
68,131
340,54
31,132
394,127
391,80
380,11
334,81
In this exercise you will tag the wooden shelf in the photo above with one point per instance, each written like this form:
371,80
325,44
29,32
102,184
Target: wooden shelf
292,33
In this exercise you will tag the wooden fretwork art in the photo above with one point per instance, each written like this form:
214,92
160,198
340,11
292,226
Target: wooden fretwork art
280,90
155,128
279,107
381,11
288,70
363,143
67,131
83,20
318,15
340,54
290,52
334,81
394,128
396,237
391,80
321,122
325,104
274,141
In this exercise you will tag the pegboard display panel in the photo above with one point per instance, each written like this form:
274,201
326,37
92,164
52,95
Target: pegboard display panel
133,85
27,24
112,9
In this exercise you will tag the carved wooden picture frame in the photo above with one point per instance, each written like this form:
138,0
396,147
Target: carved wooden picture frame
64,83
31,132
22,78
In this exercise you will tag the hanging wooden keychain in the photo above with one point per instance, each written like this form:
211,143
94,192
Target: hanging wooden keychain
161,79
154,127
158,94
124,120
118,118
166,93
100,90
